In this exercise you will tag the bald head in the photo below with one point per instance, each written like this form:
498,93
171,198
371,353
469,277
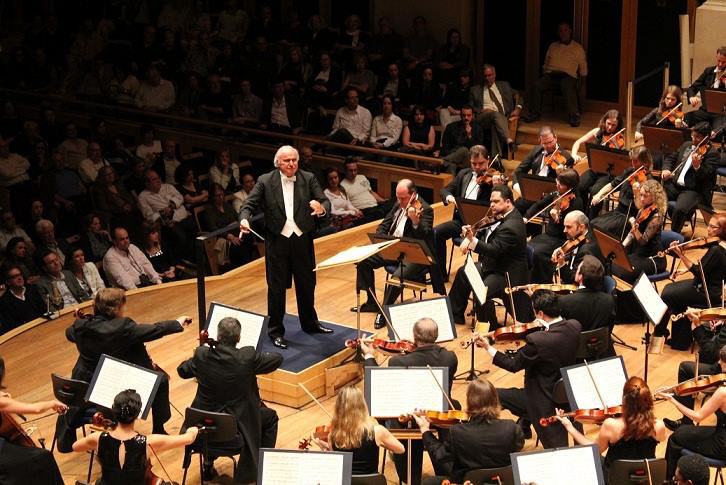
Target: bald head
425,331
404,190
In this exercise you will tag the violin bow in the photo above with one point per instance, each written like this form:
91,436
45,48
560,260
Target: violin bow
163,468
647,469
669,113
385,317
314,399
527,219
597,389
703,282
642,167
612,137
625,224
451,404
511,298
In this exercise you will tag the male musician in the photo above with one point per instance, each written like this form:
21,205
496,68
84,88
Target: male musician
403,220
227,382
287,197
425,333
687,179
589,305
465,186
502,249
458,137
541,357
711,78
533,163
575,226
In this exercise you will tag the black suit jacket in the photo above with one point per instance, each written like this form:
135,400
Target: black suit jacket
457,188
15,312
476,99
267,194
227,383
704,81
593,309
506,249
589,247
533,162
701,180
293,107
455,136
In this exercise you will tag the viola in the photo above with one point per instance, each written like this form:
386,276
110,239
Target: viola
698,243
321,433
11,431
400,347
487,177
554,159
569,246
557,288
586,416
645,213
614,141
442,419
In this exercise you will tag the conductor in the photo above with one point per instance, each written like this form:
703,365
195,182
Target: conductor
290,199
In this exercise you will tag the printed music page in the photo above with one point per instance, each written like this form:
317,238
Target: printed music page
474,277
251,323
354,254
610,376
653,305
395,391
302,468
565,465
113,376
405,315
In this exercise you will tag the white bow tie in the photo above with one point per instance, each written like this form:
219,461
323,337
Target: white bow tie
285,178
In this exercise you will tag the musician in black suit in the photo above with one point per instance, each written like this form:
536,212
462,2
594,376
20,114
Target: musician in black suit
542,356
458,137
465,186
707,80
687,179
110,332
589,305
410,217
532,163
502,249
576,225
290,199
425,333
227,383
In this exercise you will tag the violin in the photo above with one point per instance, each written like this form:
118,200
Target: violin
11,431
205,339
415,204
569,246
321,433
698,243
638,178
562,205
705,315
586,416
674,116
442,419
509,333
487,177
614,141
400,347
695,385
555,159
557,288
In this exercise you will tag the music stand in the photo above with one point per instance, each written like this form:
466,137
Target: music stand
471,211
533,187
661,139
714,101
611,161
409,250
613,251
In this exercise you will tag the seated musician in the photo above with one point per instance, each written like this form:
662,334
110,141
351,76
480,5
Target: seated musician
353,430
554,233
583,243
425,333
466,186
410,217
666,115
643,241
689,177
589,305
712,77
692,470
227,382
502,249
123,451
615,221
21,464
544,160
682,294
633,435
542,356
485,441
110,332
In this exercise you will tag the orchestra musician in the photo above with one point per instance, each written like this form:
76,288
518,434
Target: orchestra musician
554,231
542,356
615,221
123,438
227,382
682,294
643,241
543,160
110,332
485,441
633,435
467,185
502,249
689,177
712,77
20,464
666,106
290,199
576,226
589,305
410,217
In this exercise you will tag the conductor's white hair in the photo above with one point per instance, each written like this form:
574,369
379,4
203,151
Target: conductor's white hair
283,150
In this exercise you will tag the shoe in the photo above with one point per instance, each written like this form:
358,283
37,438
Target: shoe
209,472
678,345
661,331
512,148
318,328
367,307
380,322
673,424
279,342
526,428
575,120
530,117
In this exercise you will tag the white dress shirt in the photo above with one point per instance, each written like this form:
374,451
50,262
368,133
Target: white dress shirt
357,122
686,167
487,102
152,203
472,190
288,196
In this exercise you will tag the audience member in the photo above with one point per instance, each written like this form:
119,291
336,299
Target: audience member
427,93
214,103
361,78
188,187
352,123
167,163
150,146
418,135
230,248
385,46
458,138
14,177
10,230
457,95
126,266
73,149
20,303
343,213
162,263
188,100
224,173
495,102
155,93
95,240
261,64
134,180
452,56
113,200
45,232
394,85
233,23
90,166
246,106
420,45
248,183
320,37
85,273
296,72
281,112
58,286
351,41
308,164
325,82
359,192
386,127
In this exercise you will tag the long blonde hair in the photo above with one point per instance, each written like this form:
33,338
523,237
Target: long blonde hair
660,199
351,422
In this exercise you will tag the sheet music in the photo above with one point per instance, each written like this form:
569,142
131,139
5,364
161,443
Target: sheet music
474,277
610,377
354,254
251,323
115,376
395,391
565,465
405,315
649,299
302,468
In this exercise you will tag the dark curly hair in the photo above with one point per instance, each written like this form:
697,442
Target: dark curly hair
126,406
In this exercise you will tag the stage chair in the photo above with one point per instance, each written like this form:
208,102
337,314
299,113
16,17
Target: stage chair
720,172
220,428
482,476
691,216
712,462
666,238
372,479
593,344
625,472
392,278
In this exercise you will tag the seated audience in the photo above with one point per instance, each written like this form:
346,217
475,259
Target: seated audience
361,78
160,260
73,149
90,166
386,127
246,106
325,83
214,103
63,184
16,253
113,200
392,84
224,172
86,274
282,111
188,187
155,93
343,213
359,192
14,176
126,266
20,303
58,286
418,135
230,248
135,181
452,57
296,72
458,138
352,123
150,146
457,95
46,241
95,240
167,163
426,92
10,230
248,183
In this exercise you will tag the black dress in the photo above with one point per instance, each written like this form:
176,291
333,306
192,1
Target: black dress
133,470
365,457
20,465
642,254
708,441
614,221
630,450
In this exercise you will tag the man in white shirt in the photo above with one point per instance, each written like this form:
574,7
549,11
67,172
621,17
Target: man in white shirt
90,166
352,123
126,266
58,286
361,195
156,93
167,163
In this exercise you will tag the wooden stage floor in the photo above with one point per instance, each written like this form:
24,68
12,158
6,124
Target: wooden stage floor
33,354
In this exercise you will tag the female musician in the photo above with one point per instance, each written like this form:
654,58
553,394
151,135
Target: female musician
632,436
615,221
122,451
19,464
668,102
352,429
554,234
643,240
485,441
689,293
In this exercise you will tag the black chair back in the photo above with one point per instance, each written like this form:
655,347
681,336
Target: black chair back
559,393
593,344
70,392
372,479
627,472
486,476
218,427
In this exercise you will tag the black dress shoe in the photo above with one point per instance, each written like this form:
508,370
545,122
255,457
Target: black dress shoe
208,471
367,307
575,121
675,345
318,328
672,424
379,323
279,342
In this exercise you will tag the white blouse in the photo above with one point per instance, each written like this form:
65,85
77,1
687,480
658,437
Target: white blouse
339,204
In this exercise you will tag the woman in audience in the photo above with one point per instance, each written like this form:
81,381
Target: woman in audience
296,73
386,127
224,172
632,436
113,199
362,79
352,429
219,213
16,253
187,186
343,212
325,83
161,261
95,239
86,273
453,56
124,452
135,181
427,93
418,136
